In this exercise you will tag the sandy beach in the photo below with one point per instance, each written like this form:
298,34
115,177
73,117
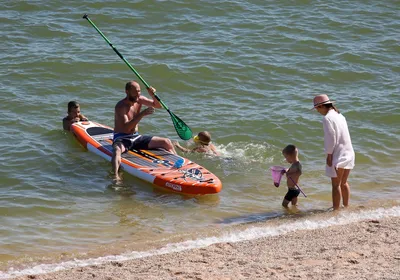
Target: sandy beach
365,250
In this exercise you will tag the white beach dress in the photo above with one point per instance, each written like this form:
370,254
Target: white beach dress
337,142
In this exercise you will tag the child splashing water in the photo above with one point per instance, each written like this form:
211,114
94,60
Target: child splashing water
203,144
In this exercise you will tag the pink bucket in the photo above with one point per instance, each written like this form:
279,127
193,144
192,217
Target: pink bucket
277,174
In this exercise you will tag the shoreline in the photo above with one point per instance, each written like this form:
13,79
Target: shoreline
368,249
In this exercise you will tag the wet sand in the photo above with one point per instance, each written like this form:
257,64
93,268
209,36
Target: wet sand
365,250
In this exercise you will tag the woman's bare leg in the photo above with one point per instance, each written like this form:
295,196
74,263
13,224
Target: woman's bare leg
336,191
345,188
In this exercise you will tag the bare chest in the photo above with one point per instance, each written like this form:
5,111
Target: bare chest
133,110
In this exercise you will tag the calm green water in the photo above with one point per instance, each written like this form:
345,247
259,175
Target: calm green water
244,70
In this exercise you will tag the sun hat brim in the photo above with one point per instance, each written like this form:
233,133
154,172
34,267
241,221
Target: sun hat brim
322,103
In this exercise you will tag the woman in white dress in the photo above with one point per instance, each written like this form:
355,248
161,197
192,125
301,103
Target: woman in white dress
338,148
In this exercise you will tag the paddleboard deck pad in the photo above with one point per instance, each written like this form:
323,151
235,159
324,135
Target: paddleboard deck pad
154,166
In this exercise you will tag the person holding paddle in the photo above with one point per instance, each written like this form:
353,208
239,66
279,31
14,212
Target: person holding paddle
182,129
127,116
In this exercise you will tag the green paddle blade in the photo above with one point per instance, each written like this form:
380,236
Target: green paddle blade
184,131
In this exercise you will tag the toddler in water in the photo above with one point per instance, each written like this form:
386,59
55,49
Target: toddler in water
203,144
293,173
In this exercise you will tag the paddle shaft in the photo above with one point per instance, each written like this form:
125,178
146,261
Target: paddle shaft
85,16
182,129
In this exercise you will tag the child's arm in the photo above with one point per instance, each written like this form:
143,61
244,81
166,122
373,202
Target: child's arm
67,122
199,150
290,171
83,118
176,144
293,172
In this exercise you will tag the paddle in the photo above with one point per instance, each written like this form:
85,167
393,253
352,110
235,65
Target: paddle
184,131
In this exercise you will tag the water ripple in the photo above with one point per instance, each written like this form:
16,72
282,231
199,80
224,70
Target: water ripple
245,71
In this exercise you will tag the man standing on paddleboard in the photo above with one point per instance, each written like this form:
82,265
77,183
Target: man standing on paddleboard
126,119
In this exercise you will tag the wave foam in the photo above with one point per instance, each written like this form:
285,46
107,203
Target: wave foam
250,233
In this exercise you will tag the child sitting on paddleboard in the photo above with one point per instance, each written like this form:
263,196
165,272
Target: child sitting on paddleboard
74,115
293,173
203,144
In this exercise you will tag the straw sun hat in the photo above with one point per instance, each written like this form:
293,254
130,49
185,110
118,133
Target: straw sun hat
321,99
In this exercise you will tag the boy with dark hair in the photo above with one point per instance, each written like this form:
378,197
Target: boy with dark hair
74,115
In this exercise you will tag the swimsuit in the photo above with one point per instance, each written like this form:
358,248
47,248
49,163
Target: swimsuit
292,193
133,141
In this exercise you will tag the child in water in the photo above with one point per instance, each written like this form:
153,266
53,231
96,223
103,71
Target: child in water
203,144
293,173
74,115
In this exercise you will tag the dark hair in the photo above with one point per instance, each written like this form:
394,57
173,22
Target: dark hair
72,105
289,150
330,105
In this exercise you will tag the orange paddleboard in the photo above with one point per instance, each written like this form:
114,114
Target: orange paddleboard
154,166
